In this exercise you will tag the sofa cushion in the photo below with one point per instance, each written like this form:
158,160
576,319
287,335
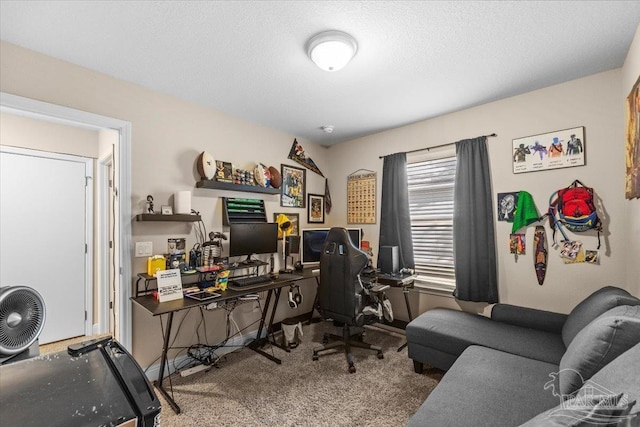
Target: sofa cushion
585,411
593,306
486,387
618,380
621,376
452,331
597,344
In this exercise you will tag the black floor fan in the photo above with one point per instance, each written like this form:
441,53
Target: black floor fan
22,316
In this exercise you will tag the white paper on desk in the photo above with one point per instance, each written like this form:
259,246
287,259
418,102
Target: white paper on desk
169,285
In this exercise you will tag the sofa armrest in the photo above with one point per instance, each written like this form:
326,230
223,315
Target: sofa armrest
529,317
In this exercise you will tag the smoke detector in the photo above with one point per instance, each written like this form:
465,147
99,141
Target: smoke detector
327,128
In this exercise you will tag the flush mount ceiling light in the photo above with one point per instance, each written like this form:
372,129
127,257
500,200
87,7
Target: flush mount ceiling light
331,50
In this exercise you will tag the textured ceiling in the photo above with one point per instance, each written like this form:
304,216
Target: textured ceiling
415,60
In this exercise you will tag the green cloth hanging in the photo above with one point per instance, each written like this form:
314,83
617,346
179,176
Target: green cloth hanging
526,212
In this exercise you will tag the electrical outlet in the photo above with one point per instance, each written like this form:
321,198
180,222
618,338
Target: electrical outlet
144,249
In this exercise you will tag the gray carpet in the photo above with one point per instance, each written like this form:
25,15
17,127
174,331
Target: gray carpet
250,390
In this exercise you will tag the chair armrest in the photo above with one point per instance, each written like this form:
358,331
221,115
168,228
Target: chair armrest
529,317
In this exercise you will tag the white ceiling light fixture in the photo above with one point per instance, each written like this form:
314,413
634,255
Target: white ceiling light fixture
331,50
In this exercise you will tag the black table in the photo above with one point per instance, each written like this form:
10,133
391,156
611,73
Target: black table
273,288
399,280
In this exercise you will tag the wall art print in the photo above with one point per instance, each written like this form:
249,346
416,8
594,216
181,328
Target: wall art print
361,198
632,152
554,150
293,193
507,203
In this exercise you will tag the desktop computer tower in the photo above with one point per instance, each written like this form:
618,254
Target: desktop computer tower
293,245
292,251
389,259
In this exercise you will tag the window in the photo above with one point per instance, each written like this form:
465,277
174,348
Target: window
431,182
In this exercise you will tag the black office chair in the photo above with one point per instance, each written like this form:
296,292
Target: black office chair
341,294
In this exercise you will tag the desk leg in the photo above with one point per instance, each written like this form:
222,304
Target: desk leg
163,361
405,291
258,341
315,302
270,327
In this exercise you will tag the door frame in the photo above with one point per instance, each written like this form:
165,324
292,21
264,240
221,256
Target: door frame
19,105
104,272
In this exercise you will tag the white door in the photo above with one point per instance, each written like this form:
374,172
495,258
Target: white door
44,223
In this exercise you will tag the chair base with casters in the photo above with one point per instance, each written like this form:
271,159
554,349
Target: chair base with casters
346,341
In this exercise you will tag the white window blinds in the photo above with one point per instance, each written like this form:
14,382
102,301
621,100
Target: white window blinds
431,184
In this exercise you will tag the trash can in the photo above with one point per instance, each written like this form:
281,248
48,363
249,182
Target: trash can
291,332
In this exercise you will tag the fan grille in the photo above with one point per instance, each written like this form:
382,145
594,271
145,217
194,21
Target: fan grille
22,315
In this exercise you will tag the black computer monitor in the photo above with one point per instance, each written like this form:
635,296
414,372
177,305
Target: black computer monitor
253,238
312,240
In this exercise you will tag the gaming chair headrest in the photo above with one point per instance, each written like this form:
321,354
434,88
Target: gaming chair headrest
338,243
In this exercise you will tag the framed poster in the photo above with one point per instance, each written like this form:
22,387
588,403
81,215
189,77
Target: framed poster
361,198
295,222
554,150
292,190
315,209
507,203
632,153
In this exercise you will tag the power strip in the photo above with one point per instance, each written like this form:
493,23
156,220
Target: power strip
193,370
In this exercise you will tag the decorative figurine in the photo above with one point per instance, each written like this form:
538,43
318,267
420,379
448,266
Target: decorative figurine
150,204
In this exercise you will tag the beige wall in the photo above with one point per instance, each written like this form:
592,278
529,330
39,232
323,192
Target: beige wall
26,132
630,74
592,102
167,136
169,133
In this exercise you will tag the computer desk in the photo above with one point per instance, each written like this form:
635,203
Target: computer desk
156,308
399,280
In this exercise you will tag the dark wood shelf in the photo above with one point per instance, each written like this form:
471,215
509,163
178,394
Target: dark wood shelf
175,217
217,185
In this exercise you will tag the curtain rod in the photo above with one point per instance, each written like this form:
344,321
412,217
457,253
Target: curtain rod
435,146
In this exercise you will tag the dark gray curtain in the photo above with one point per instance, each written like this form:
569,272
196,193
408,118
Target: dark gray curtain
395,223
473,231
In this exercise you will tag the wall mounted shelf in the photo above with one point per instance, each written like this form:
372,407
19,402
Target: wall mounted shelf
175,217
217,185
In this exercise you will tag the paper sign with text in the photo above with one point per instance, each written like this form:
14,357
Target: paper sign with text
169,285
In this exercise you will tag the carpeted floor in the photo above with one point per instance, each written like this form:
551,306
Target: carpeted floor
249,390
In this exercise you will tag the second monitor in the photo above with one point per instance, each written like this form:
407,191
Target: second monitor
312,240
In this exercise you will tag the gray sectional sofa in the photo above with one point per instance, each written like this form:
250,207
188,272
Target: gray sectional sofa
530,367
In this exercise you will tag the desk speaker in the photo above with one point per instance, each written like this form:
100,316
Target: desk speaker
293,245
389,259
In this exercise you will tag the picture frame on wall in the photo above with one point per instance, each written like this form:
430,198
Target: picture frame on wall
315,209
553,150
292,190
295,222
632,152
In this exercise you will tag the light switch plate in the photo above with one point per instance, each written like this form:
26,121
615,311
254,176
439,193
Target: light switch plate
144,249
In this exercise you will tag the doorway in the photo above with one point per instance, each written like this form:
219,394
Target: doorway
47,235
121,242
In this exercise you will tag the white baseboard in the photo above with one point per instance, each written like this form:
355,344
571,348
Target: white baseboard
232,345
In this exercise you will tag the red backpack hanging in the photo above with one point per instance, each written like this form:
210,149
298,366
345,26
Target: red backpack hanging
573,207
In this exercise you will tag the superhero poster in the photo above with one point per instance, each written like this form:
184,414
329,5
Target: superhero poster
554,150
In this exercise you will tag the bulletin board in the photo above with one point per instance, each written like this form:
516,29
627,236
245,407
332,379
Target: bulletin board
361,197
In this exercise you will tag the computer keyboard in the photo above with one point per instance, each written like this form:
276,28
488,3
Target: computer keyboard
250,281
